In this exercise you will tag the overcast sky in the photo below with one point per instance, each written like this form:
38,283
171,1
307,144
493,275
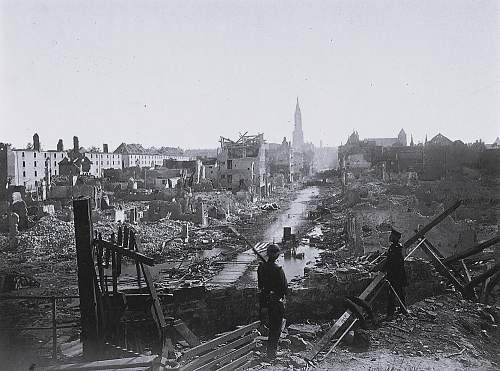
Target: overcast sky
182,73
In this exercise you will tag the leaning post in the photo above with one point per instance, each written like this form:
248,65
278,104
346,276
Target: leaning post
86,278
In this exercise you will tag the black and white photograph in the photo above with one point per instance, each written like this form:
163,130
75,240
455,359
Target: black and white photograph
201,185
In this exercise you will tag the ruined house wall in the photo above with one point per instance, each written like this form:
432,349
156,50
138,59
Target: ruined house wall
449,237
210,311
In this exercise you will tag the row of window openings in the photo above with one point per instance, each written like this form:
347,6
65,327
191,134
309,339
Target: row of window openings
36,173
230,165
55,163
44,155
97,156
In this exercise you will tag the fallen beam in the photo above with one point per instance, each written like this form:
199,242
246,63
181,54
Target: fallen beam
472,251
445,271
348,317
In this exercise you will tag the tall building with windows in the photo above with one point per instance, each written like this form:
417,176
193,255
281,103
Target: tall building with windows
29,166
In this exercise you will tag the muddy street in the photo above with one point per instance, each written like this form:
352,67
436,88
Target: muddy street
294,216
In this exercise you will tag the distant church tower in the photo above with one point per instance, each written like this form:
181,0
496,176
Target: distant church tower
402,138
298,135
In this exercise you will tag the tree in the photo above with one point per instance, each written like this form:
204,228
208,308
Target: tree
94,149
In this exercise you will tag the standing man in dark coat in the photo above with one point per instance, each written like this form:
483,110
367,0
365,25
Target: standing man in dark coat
396,274
272,290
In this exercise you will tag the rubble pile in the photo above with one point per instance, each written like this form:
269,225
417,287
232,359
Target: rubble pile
49,239
441,327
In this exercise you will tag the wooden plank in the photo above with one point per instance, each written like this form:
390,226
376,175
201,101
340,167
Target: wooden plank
236,363
109,364
443,269
345,318
156,302
244,366
220,361
208,357
474,250
87,280
100,265
186,333
467,273
451,268
212,344
137,256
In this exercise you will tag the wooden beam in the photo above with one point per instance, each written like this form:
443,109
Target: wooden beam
110,364
467,273
446,272
474,250
212,344
137,256
228,357
160,318
346,318
369,293
236,363
87,280
214,354
186,333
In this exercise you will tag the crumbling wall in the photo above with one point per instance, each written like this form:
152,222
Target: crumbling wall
209,311
448,236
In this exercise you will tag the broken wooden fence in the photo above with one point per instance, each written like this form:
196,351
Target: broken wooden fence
102,304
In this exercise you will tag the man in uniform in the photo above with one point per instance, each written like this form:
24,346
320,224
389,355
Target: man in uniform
396,274
272,290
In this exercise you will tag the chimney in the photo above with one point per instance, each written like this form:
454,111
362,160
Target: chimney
36,142
76,144
60,146
105,148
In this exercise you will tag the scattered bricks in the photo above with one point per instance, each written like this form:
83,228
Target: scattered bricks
298,362
284,343
305,330
297,344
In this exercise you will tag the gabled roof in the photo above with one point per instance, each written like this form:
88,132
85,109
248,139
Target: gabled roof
130,149
440,140
138,149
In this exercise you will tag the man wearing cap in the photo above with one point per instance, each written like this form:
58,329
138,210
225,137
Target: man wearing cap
272,290
396,274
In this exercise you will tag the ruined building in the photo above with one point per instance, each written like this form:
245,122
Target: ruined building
242,164
137,155
30,166
279,160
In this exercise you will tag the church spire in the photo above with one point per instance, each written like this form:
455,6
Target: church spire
298,135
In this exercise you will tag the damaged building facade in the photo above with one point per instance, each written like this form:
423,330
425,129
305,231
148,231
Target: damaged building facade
29,167
279,160
137,155
242,164
434,159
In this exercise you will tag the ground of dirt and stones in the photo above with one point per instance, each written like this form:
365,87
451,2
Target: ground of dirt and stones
46,253
445,332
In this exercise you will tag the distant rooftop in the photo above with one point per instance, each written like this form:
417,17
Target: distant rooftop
138,149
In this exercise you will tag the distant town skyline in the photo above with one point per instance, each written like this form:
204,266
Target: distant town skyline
184,73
